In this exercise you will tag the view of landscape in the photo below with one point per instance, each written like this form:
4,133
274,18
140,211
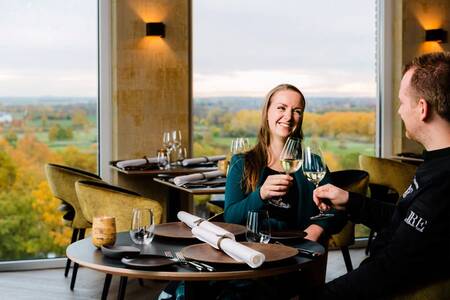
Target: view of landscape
48,93
33,132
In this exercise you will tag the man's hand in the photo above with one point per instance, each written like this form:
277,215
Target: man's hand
275,186
325,194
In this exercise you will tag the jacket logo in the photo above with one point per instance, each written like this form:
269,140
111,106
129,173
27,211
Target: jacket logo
415,221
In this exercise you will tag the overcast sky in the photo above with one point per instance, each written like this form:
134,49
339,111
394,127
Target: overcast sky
325,47
240,47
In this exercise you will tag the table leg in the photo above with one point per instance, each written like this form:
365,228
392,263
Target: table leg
106,286
122,287
173,205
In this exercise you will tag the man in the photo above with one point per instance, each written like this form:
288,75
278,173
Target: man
415,246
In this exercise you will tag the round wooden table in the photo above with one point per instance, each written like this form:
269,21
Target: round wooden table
86,254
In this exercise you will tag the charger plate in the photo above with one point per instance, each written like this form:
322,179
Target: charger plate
147,262
182,231
287,235
206,253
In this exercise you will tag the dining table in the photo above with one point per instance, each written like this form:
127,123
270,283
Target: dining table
87,255
142,181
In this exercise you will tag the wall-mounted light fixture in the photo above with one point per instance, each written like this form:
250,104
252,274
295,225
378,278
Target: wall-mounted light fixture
156,29
436,35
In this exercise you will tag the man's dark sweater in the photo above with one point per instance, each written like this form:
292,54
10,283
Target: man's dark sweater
415,246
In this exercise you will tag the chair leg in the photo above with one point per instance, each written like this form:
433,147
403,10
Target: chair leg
106,286
141,282
347,258
74,276
369,241
81,235
72,240
122,287
75,265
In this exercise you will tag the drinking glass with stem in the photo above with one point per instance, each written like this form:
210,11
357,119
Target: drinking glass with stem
291,161
314,168
168,145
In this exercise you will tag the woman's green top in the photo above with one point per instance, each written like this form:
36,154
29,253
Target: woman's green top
299,196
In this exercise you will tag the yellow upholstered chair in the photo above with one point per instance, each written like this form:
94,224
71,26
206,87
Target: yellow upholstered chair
61,180
434,290
386,175
101,199
356,181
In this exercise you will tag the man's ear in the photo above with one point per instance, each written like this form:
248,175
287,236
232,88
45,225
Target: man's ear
425,109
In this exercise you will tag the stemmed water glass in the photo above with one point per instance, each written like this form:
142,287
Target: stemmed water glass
168,145
291,161
239,145
314,168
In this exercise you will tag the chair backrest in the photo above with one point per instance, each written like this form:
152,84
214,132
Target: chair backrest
389,173
434,290
356,181
61,180
102,199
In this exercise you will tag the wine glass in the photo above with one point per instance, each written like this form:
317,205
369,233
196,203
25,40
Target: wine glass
168,145
142,226
291,161
239,145
314,168
258,226
176,138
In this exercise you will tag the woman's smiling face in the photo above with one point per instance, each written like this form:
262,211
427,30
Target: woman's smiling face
284,114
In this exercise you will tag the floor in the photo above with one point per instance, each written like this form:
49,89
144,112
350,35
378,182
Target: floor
51,283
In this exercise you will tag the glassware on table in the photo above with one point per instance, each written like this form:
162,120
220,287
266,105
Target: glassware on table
176,138
258,226
168,145
142,226
103,231
181,154
314,168
291,161
161,155
239,145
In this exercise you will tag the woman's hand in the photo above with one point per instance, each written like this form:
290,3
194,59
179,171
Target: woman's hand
275,186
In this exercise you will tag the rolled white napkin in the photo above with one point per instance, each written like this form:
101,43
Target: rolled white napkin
136,162
194,221
235,250
180,180
198,160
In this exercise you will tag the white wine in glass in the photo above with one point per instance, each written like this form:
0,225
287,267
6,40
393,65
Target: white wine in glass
291,161
314,168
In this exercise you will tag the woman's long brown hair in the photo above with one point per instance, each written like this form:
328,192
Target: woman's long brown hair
258,157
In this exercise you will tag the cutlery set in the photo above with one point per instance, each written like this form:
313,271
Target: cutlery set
179,258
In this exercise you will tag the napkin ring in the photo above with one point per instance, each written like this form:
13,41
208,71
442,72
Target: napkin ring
207,159
222,236
203,175
146,159
198,221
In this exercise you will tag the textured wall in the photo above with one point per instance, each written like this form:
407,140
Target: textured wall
151,83
419,15
151,76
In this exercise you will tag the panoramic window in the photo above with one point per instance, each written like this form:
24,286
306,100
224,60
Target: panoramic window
48,113
241,50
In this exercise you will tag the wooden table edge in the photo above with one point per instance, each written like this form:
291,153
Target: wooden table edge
193,276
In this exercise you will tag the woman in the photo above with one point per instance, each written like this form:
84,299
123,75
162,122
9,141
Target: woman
257,176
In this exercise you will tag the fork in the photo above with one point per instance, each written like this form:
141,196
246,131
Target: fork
181,257
183,261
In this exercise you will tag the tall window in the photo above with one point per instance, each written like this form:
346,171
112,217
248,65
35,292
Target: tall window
48,113
242,49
